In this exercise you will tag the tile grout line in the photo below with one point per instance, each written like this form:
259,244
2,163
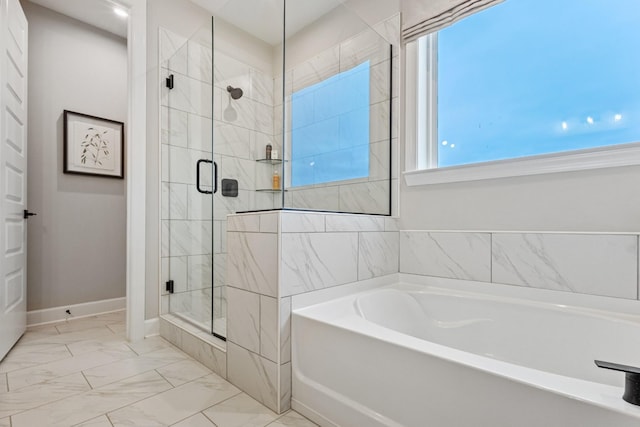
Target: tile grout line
109,419
145,371
52,401
163,377
82,392
205,415
130,404
85,378
69,351
170,389
223,401
491,257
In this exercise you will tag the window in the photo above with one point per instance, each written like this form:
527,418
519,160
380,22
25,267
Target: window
527,78
330,129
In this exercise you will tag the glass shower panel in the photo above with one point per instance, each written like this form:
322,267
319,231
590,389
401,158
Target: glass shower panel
246,101
190,240
338,73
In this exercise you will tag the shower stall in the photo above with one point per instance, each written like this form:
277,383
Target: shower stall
286,107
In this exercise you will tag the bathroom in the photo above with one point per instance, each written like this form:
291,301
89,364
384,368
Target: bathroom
249,252
522,232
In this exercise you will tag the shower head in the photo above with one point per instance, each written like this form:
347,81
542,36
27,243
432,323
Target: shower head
235,92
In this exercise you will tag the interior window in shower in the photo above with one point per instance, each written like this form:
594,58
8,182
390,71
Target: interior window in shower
330,129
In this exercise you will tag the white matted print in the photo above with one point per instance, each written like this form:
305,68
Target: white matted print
93,145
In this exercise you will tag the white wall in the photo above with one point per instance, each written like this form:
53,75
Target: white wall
76,243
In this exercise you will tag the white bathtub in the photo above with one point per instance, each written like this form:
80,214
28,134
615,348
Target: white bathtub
439,352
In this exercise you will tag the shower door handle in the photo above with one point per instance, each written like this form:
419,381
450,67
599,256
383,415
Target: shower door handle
215,176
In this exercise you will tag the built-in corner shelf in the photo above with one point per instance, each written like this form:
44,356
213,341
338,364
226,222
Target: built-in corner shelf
269,190
270,161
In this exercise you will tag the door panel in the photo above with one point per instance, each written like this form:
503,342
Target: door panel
13,173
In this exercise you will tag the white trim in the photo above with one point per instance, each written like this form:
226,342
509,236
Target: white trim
410,106
86,309
136,169
427,93
598,158
151,327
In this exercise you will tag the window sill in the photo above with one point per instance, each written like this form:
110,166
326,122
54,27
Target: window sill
604,157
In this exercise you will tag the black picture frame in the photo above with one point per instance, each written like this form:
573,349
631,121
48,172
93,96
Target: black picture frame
93,145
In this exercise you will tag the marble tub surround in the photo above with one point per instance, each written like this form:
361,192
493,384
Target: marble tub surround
103,380
276,255
589,264
454,255
596,264
312,261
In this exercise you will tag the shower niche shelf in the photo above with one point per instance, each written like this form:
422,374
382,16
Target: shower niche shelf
270,161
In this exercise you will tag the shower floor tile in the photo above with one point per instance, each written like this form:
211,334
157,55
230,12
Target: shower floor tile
84,373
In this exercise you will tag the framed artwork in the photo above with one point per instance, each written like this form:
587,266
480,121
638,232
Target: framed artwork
93,145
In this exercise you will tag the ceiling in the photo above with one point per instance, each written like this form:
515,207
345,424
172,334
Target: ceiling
265,19
98,13
264,22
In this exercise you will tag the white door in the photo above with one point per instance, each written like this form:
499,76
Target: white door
13,173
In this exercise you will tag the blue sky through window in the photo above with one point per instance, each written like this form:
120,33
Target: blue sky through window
330,129
529,77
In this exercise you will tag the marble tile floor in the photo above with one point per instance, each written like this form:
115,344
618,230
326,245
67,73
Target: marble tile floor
84,373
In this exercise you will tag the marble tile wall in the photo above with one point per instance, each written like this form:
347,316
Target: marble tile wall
320,250
195,343
595,264
371,194
252,306
242,129
456,255
273,256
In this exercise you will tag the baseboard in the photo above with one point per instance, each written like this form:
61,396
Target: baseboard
152,327
57,314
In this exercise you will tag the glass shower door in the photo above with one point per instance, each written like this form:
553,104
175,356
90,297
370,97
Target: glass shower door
190,239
